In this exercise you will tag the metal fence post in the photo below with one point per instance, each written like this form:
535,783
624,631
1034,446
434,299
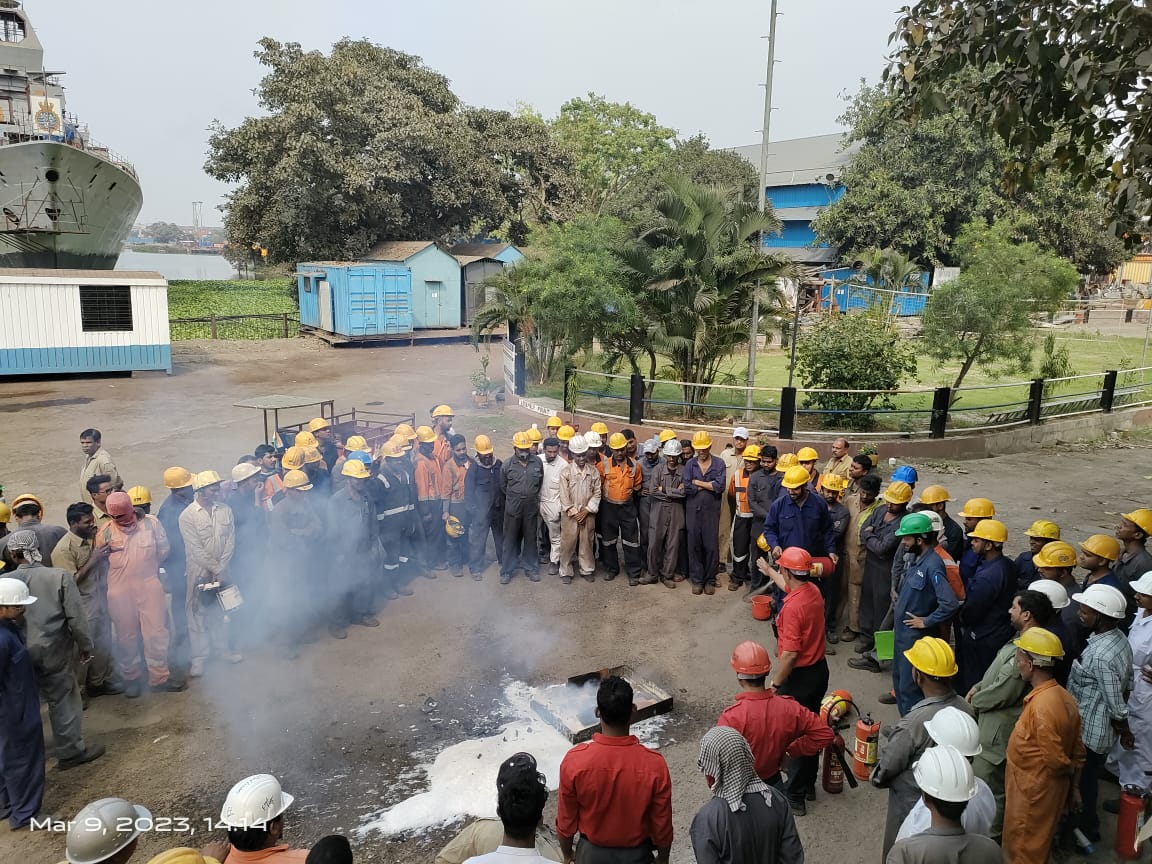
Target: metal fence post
941,401
569,400
1108,392
285,325
787,411
635,398
212,325
1035,400
1128,315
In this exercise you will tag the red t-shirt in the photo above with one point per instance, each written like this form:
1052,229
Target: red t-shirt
800,627
615,792
772,725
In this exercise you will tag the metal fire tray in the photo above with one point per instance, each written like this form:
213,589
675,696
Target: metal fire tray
576,719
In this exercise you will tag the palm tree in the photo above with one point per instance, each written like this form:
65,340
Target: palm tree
884,274
513,302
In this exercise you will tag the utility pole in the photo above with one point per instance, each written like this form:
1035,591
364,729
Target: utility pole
754,328
197,218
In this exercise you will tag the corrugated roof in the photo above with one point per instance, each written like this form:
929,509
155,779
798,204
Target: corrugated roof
797,161
80,274
479,250
465,260
396,250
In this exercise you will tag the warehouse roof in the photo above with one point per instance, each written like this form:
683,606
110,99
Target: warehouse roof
798,161
478,250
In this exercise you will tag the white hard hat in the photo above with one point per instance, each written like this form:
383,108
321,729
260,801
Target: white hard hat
956,728
1053,590
254,802
13,592
673,447
592,438
936,520
1104,599
579,445
1143,585
944,773
103,828
243,471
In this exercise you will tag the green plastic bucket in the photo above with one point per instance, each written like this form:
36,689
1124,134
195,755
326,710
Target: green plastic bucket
885,644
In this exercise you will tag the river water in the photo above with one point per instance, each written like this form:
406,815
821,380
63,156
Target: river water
178,266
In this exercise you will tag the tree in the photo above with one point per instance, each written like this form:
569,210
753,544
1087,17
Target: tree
166,232
612,144
882,274
857,352
984,316
1068,74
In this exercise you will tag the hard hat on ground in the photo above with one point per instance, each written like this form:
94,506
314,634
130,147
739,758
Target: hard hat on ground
795,477
177,478
785,461
103,828
1143,585
992,530
139,495
932,656
592,439
944,773
955,728
254,802
833,482
600,428
453,527
807,454
425,435
795,558
978,508
240,473
1056,553
701,440
357,442
1053,590
205,479
1141,518
534,435
14,592
1041,642
1104,599
934,494
483,445
752,453
521,441
616,441
835,705
318,423
898,492
914,523
666,435
578,445
565,433
312,455
672,448
740,432
356,469
305,439
1043,529
1103,546
293,458
762,543
905,474
297,480
26,498
554,422
443,411
750,660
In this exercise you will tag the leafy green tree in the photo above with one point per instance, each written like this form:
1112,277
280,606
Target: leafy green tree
984,316
1067,74
856,352
167,232
883,272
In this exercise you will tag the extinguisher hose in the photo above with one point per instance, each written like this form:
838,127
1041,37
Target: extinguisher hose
843,760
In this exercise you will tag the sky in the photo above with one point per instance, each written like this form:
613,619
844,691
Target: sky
150,76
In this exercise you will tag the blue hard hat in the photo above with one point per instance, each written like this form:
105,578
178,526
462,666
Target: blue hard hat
905,474
361,456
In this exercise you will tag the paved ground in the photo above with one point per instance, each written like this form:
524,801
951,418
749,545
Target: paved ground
330,724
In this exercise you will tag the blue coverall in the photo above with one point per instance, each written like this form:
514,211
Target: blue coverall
808,526
924,593
984,623
21,734
703,517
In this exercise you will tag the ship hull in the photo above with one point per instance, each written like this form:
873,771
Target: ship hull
62,207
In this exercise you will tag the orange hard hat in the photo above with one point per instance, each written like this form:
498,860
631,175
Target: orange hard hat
795,558
751,659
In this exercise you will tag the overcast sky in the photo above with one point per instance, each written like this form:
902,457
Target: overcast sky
148,76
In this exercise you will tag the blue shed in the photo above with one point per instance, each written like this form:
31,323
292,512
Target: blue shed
478,263
435,280
355,300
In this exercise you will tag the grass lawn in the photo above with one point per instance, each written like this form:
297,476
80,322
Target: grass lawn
199,298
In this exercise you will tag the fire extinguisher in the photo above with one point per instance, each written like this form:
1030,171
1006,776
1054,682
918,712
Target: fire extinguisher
835,768
867,748
1129,822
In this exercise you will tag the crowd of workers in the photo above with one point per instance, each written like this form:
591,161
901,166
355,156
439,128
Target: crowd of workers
1049,680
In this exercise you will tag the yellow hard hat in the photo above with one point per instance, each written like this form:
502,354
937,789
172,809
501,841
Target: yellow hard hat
600,428
616,441
762,543
554,422
833,483
391,449
1037,640
785,461
205,479
534,435
305,439
752,453
1141,518
795,477
1043,529
934,495
483,445
182,855
318,423
407,431
177,478
299,480
898,492
1054,554
5,513
443,411
807,454
312,455
293,458
425,435
355,468
357,442
978,508
521,441
666,435
453,527
1101,545
139,496
992,530
701,440
26,499
565,433
932,656
402,442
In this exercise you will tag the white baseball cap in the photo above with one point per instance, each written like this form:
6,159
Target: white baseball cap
740,432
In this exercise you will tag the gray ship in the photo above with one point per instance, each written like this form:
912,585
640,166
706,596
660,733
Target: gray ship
65,201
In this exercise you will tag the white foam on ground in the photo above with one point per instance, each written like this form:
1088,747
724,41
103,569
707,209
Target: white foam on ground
462,778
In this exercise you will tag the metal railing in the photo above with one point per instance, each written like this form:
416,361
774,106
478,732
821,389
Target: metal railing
282,326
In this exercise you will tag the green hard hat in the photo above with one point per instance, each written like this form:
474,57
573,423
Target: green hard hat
914,523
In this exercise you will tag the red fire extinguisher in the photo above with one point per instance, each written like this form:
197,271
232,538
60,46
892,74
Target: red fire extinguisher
1129,822
835,768
867,747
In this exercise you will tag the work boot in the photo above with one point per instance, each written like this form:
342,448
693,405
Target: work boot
697,589
369,621
336,631
108,688
608,577
888,698
847,634
710,588
505,578
534,575
831,636
679,577
633,581
864,662
588,577
733,585
94,752
668,583
172,685
428,574
799,808
132,689
862,648
458,572
828,650
567,580
403,590
553,568
649,579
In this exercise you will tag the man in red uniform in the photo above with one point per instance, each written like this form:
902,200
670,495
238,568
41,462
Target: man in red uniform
771,724
614,791
801,670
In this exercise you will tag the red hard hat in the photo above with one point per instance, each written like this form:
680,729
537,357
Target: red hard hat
751,658
795,558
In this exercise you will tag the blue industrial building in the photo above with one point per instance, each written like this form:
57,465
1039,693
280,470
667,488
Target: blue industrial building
434,278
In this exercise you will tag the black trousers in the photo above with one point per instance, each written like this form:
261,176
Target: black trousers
742,544
478,530
619,523
520,542
807,685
